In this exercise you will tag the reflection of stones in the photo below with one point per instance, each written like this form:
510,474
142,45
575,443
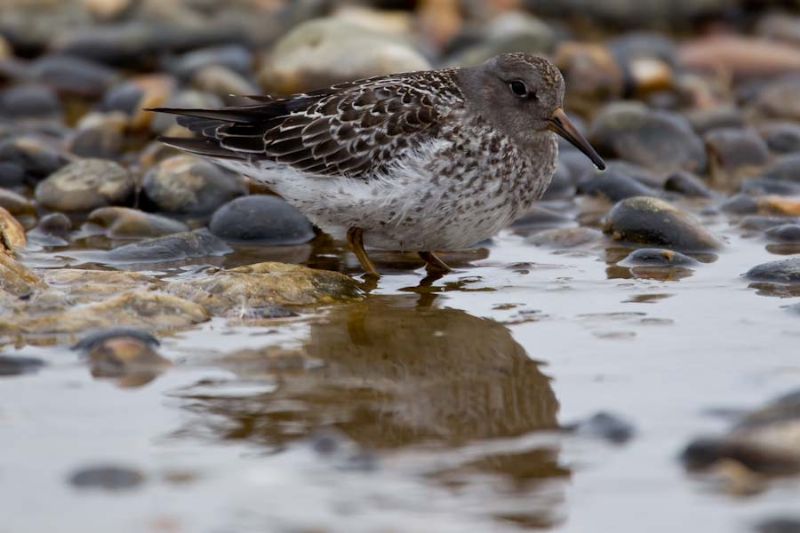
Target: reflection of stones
766,441
389,374
12,365
648,220
124,353
169,248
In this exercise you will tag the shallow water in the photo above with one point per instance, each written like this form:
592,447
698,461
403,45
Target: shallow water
422,408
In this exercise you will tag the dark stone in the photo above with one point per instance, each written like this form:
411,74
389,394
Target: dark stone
636,45
761,222
11,365
786,168
779,525
561,186
109,477
657,257
124,97
781,137
658,140
733,150
785,233
614,186
52,230
95,338
29,101
176,247
578,165
127,223
234,57
99,136
261,219
539,217
73,75
648,220
687,184
740,204
783,271
706,120
762,186
605,426
185,184
28,159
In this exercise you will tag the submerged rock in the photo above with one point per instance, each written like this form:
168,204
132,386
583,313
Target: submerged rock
175,247
658,140
126,223
129,354
648,220
110,477
186,184
262,285
261,219
84,185
783,271
322,52
766,441
605,426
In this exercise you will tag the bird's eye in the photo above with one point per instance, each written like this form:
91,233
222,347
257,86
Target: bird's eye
518,88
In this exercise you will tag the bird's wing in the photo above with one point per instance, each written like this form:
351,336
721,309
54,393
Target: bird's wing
354,129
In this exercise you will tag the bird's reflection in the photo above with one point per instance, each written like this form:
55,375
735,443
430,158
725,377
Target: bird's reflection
390,373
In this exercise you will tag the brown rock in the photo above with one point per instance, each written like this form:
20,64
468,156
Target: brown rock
740,56
12,234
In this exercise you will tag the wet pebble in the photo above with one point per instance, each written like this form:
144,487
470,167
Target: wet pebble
687,184
657,257
741,56
740,204
565,237
175,247
648,220
592,74
326,51
541,217
127,223
613,185
658,140
605,426
16,280
761,222
764,441
786,168
28,159
29,101
561,185
705,120
185,184
52,230
779,205
784,233
261,219
513,31
85,184
222,81
233,57
106,477
13,365
734,153
762,186
781,137
783,271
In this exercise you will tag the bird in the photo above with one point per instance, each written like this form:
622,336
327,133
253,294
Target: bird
424,161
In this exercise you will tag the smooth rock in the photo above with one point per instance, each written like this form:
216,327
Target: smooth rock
786,168
73,75
784,233
223,82
29,101
100,136
652,221
322,52
185,184
779,205
126,223
16,279
591,73
513,31
657,140
657,257
52,230
85,184
175,247
739,55
234,57
783,271
613,185
765,186
261,219
740,204
266,284
735,153
110,477
12,365
704,120
762,223
687,184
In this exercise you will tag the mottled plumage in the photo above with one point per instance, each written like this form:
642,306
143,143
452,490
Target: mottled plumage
417,161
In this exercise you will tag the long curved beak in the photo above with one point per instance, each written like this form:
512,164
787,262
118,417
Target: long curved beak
560,124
